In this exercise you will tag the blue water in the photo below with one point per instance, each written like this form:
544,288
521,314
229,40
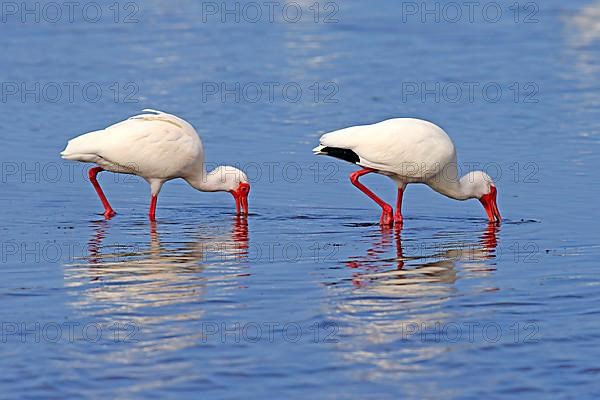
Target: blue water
308,296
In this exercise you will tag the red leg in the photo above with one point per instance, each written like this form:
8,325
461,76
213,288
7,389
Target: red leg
387,214
108,211
398,215
152,213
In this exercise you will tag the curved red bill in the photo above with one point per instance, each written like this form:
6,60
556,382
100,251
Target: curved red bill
241,198
491,206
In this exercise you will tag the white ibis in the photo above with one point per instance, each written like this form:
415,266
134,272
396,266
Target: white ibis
158,147
408,150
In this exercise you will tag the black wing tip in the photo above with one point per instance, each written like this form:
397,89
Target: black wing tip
342,154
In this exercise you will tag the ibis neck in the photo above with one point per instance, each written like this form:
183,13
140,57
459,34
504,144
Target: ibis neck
457,189
212,181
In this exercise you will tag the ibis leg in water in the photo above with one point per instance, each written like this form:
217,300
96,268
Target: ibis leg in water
108,211
152,212
387,217
398,215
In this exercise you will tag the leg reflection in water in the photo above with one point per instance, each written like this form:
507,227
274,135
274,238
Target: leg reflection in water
427,262
206,244
376,254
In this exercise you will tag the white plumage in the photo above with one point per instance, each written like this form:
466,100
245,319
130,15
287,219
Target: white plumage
396,146
408,151
158,147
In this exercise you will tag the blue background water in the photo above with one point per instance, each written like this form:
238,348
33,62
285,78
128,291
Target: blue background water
308,297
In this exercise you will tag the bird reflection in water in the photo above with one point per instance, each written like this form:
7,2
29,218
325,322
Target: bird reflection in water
372,265
399,292
158,285
229,246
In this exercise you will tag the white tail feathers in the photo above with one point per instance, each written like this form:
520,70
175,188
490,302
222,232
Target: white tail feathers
82,147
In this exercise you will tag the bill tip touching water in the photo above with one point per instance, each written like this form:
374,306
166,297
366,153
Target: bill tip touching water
158,147
408,151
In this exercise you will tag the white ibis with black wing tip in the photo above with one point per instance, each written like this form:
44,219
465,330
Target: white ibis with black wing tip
158,147
408,150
